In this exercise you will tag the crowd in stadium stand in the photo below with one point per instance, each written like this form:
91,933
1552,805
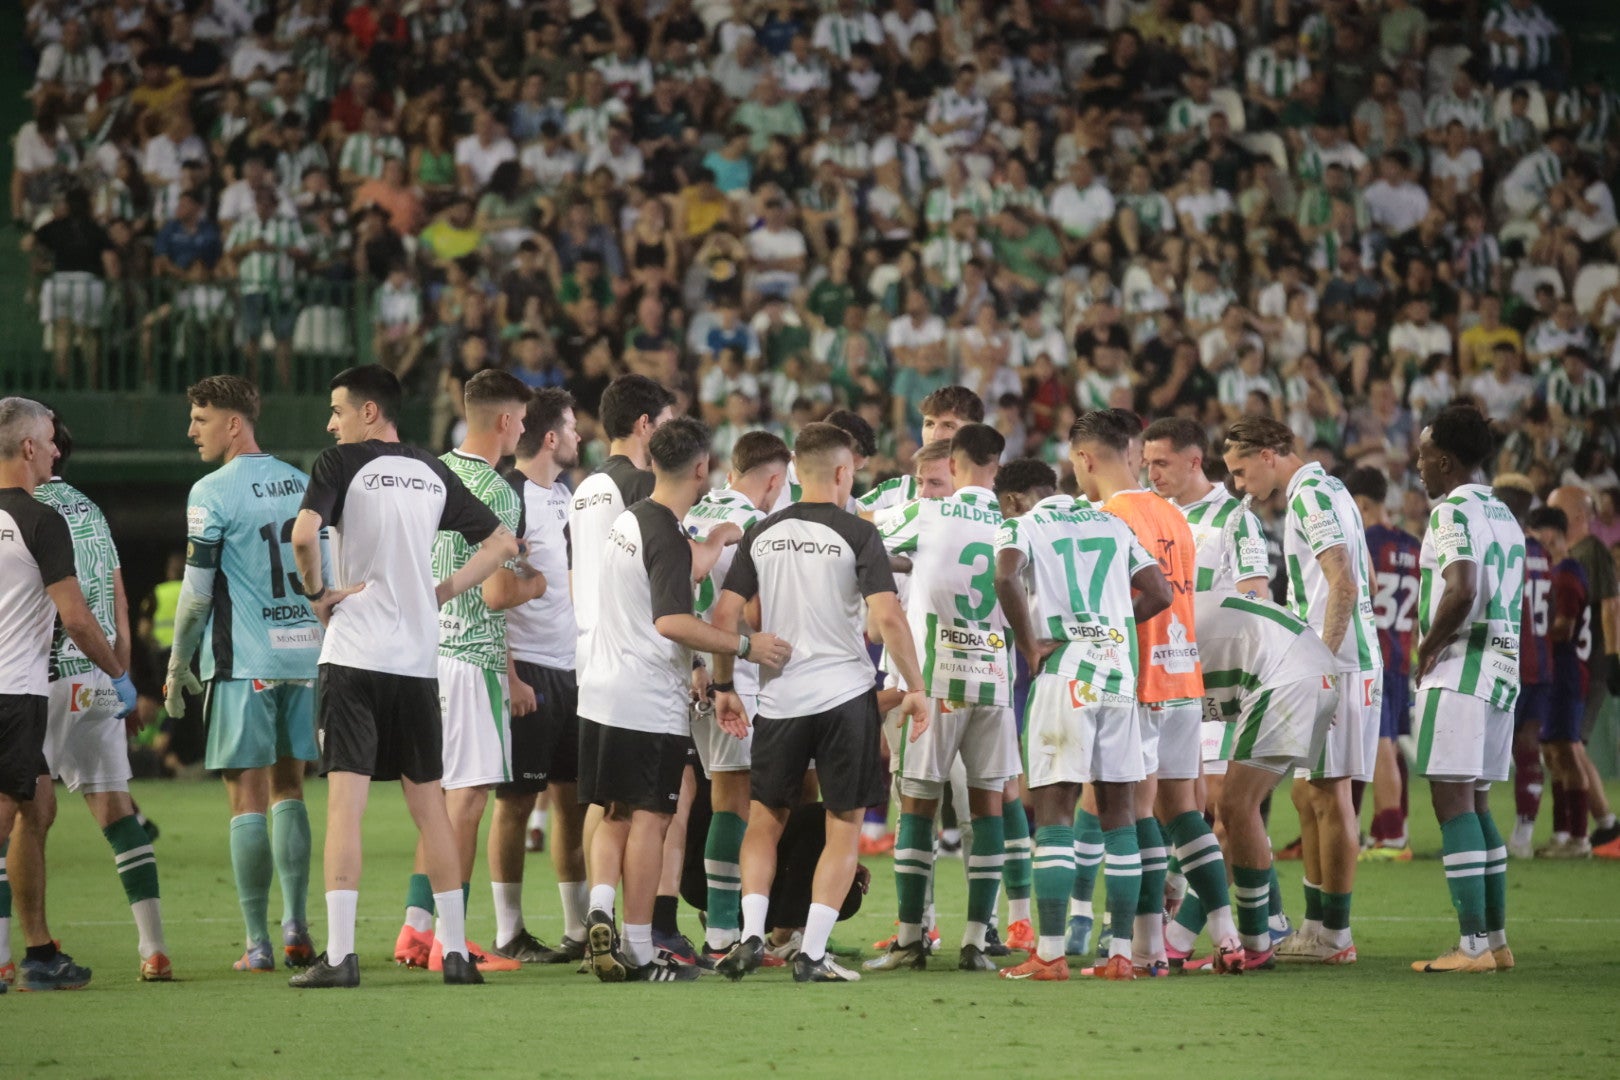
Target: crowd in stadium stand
1342,214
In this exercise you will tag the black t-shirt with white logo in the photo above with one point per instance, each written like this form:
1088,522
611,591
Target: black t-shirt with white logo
602,496
630,675
36,551
812,566
384,503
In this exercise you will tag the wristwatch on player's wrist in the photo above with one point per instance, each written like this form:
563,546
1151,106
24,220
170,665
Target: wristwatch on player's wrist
745,645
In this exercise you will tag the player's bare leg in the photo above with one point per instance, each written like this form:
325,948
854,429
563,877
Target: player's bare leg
568,859
42,965
666,929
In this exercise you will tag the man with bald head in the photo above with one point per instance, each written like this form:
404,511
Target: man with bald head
1604,596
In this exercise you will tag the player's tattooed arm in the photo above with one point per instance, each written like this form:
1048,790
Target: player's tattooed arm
1450,614
1341,601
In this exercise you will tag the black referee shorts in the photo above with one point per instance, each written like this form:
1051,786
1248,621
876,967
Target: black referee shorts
638,769
545,743
844,742
379,725
22,744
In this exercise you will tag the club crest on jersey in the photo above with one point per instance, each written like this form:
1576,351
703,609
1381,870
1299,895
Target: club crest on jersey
1082,694
80,697
1372,692
261,685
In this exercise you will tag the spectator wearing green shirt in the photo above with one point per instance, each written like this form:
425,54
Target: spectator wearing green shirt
768,113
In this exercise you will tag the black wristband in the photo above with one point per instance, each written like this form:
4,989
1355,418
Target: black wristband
726,687
314,596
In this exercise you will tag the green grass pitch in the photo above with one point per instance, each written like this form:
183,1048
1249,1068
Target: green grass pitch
1552,1017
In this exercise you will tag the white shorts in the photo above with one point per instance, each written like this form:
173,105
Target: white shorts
1215,745
85,743
986,737
477,711
718,751
1075,733
1351,748
1281,727
1462,738
1172,738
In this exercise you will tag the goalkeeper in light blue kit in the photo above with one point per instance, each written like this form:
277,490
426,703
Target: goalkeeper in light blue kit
241,602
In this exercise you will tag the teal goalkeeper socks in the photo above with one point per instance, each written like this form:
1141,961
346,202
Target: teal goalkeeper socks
290,848
251,863
722,855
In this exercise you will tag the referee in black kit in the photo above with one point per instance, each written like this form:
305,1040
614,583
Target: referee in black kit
810,567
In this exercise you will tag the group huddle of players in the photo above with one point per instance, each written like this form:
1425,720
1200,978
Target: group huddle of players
468,626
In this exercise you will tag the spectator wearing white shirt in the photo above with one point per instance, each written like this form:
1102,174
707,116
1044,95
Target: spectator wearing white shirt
905,21
1503,391
1204,211
801,71
1218,348
917,338
256,60
777,253
1081,207
176,143
1418,337
1208,43
619,155
478,154
1455,170
837,32
625,71
1525,44
1032,338
1395,202
1528,184
1580,222
550,163
1549,338
957,114
71,67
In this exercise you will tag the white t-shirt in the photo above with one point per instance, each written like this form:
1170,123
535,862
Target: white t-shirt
542,631
482,159
383,505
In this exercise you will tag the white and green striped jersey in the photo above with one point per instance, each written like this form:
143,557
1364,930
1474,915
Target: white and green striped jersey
266,271
363,154
1095,390
468,630
1248,646
95,560
1473,111
1078,569
956,620
892,493
1536,174
1029,198
1577,399
1275,75
714,509
1532,33
1207,306
1153,211
1231,543
1322,515
1187,115
945,253
942,204
1591,118
1471,526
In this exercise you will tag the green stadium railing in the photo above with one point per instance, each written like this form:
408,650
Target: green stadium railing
160,335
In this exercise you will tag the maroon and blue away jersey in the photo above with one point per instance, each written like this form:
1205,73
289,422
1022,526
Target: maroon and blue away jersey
1535,648
1570,601
1394,554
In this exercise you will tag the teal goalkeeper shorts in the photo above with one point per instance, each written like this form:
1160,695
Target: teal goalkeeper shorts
256,722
